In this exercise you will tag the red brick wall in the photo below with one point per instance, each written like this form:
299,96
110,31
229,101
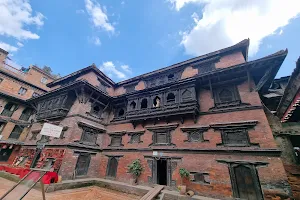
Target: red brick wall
230,60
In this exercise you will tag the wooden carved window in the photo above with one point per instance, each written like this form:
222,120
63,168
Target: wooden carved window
235,137
26,114
186,95
112,166
16,132
135,138
235,133
162,138
82,164
9,109
162,135
227,96
144,104
195,134
171,98
116,140
89,136
132,105
245,182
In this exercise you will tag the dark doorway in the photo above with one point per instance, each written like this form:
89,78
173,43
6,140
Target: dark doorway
162,172
246,183
83,163
5,154
112,167
36,158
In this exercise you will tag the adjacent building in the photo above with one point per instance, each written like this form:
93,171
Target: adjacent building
204,114
16,86
284,118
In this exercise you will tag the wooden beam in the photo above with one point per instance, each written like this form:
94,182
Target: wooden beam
210,88
249,80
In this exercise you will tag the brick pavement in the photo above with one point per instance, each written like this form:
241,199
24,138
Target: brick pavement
88,193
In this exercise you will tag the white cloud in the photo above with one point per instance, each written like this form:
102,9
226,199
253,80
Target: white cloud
8,47
226,22
80,11
95,40
111,70
280,32
20,44
16,16
98,16
180,3
126,68
195,17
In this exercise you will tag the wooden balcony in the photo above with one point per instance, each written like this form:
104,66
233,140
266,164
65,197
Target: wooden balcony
172,109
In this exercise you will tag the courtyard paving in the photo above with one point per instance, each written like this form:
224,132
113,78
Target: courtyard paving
87,193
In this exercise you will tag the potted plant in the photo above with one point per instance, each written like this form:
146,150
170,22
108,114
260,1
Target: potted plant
135,168
184,174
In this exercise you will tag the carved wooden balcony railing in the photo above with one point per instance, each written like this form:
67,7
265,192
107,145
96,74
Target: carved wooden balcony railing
190,107
53,113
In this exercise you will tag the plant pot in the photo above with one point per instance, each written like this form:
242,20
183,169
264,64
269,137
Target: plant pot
133,181
182,189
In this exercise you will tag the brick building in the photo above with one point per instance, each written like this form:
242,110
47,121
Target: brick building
203,114
284,116
16,86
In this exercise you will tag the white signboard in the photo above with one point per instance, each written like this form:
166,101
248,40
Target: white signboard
51,130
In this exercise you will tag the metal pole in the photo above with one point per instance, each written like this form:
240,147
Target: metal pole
32,186
15,185
43,190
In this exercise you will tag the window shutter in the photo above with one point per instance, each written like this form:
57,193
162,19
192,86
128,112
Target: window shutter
116,141
135,138
236,137
195,136
161,138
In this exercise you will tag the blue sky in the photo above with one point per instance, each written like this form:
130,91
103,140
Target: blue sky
127,38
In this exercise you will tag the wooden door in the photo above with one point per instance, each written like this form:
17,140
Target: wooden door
112,167
82,165
247,185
